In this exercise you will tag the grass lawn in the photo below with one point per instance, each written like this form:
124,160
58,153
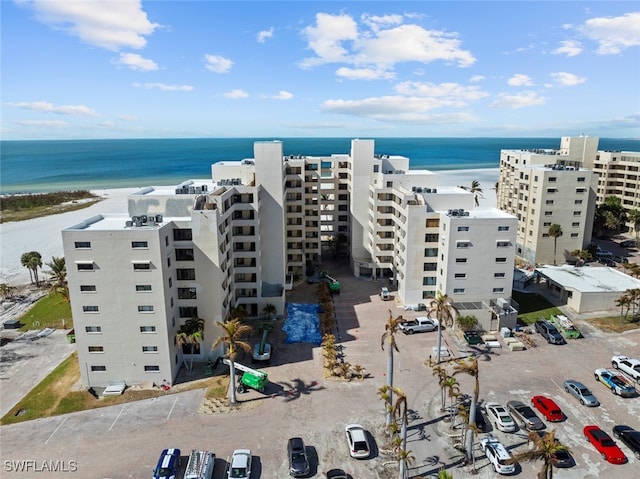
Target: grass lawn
614,324
54,395
48,312
533,306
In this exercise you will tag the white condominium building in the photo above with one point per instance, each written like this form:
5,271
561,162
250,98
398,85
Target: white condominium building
260,225
550,187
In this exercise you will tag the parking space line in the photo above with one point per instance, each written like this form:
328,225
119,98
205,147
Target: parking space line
59,426
172,406
116,419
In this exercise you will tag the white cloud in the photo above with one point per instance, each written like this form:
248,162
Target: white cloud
262,36
613,34
451,93
521,100
57,124
103,23
106,124
520,79
379,42
567,79
127,117
48,107
236,93
217,63
136,62
365,74
163,87
570,48
477,78
283,95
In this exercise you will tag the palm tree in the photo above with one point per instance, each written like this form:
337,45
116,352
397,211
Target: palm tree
400,413
32,261
444,309
233,331
466,322
555,231
470,367
443,377
191,333
545,448
634,217
6,291
583,255
270,310
58,270
475,190
391,328
238,312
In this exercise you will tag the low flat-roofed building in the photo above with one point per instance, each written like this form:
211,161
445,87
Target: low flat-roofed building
587,289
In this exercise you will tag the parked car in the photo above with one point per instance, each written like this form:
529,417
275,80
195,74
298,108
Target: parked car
240,465
628,244
298,461
630,437
498,455
168,464
385,295
499,417
549,332
617,383
549,409
561,458
620,259
603,443
479,418
337,474
581,393
607,261
629,366
525,416
357,441
421,324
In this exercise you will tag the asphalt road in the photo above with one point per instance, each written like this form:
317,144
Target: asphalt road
124,441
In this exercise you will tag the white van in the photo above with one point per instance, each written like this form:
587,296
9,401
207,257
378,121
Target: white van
200,465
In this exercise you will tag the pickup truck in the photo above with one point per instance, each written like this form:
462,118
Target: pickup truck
629,366
618,384
419,325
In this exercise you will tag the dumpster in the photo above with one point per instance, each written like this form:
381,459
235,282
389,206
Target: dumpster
71,336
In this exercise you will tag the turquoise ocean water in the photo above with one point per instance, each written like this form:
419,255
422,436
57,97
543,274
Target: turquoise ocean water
53,165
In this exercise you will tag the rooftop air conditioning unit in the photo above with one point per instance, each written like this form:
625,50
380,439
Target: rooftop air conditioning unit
128,224
158,218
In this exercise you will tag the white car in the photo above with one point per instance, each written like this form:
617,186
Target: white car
358,441
240,464
499,416
498,455
385,295
629,366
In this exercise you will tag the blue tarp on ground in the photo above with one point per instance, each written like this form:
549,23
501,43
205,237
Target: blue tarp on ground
302,324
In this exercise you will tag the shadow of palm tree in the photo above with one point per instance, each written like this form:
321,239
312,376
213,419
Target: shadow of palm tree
296,388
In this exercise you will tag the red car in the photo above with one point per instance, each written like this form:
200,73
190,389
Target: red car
606,446
549,409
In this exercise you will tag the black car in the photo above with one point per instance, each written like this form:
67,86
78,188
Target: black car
549,332
628,244
480,422
630,437
298,462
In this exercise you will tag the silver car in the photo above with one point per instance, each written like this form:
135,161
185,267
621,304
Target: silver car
581,393
525,416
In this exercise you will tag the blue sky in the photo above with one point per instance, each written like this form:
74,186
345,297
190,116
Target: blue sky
131,69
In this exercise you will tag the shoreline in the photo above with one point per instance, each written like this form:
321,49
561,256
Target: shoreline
44,234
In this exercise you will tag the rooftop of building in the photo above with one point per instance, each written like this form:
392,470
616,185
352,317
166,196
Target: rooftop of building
587,279
482,212
123,222
188,187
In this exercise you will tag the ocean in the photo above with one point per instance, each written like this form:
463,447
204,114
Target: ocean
54,165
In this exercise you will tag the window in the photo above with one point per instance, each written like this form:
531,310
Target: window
184,254
577,202
463,228
430,252
98,368
501,260
458,290
547,224
343,207
143,288
548,213
186,274
85,266
168,262
96,349
139,244
576,213
142,266
430,266
90,309
552,179
431,238
187,293
462,244
581,179
503,228
498,275
498,290
88,288
145,309
580,190
152,369
182,234
503,244
147,329
548,202
574,235
552,190
188,312
461,260
460,275
83,244
93,329
575,224
389,184
170,282
433,223
149,349
429,281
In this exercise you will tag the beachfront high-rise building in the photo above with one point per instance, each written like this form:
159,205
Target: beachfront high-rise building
242,239
550,187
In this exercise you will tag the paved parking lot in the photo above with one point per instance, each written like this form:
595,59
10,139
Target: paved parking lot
124,441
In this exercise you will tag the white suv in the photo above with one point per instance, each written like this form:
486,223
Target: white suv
384,294
498,455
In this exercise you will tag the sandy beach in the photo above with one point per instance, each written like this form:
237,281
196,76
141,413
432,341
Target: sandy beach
44,234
